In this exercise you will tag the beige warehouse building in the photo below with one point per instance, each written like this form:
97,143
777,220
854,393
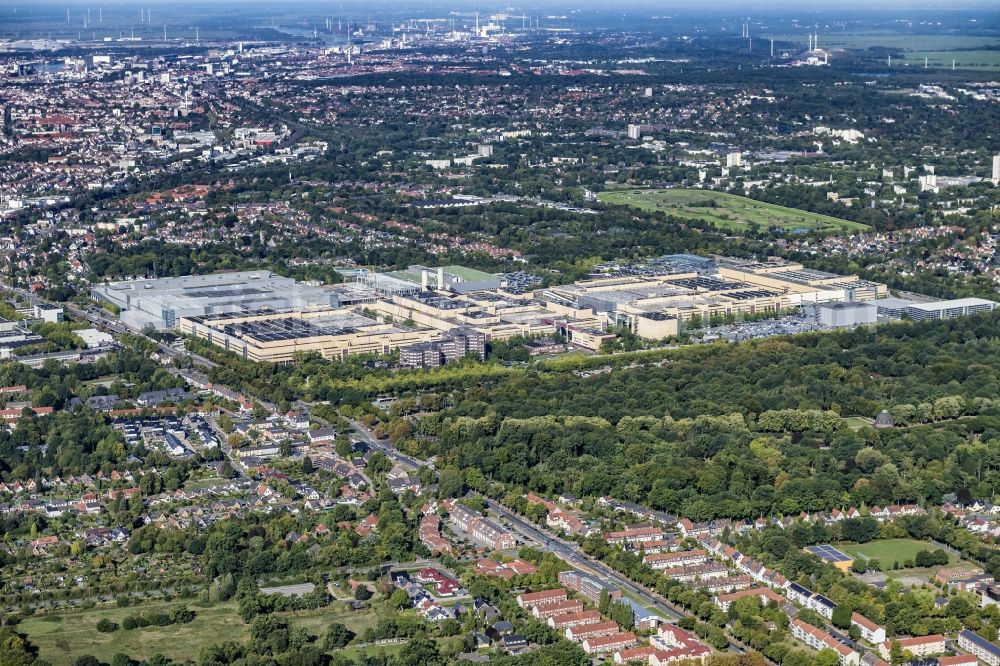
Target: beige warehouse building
277,337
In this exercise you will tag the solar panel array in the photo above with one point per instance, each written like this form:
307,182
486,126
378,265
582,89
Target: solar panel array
271,330
829,553
749,294
233,292
709,283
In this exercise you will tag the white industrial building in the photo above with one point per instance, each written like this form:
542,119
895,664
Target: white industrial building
897,308
93,338
846,314
162,302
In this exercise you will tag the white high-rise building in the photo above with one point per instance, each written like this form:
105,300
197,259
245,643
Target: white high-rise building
734,160
634,132
996,169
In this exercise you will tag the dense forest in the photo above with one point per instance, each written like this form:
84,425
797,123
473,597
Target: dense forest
752,429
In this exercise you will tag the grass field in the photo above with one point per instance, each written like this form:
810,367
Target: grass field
63,638
202,484
726,210
866,40
968,51
984,60
856,422
888,551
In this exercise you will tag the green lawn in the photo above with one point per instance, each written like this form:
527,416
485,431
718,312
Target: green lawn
726,210
968,51
888,551
866,40
63,638
984,60
203,484
856,422
393,649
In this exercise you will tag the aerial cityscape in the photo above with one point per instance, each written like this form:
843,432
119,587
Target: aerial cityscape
431,333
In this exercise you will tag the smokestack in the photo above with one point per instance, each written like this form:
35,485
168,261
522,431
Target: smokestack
423,280
440,278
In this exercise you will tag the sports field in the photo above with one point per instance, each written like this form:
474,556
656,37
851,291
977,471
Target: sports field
63,638
727,211
888,551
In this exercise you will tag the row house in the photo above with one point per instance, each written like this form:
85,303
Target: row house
668,544
581,632
697,653
818,639
724,585
430,535
692,530
634,535
755,570
636,655
678,559
709,571
764,595
641,512
605,644
751,567
532,599
574,619
554,608
894,511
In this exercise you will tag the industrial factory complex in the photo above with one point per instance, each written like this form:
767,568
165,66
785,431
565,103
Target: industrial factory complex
436,315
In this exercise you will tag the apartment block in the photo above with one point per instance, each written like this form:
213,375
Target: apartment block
679,559
918,646
870,631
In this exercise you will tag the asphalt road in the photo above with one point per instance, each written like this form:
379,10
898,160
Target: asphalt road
565,550
568,551
571,553
385,447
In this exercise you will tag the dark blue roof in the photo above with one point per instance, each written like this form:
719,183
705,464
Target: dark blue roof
819,598
980,641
